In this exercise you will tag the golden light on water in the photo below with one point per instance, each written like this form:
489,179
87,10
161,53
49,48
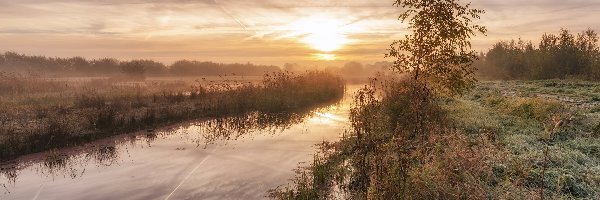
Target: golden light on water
326,118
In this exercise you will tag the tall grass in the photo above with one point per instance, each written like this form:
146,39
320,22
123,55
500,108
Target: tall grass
498,142
400,147
45,119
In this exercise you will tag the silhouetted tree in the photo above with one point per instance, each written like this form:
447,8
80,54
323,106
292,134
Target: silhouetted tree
153,68
106,66
195,68
78,66
557,56
134,70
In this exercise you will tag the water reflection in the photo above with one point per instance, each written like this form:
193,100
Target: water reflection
73,162
234,128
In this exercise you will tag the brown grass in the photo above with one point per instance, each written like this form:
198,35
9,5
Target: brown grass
37,115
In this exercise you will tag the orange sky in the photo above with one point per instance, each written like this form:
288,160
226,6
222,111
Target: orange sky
315,32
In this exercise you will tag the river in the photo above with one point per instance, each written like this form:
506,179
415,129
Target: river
228,158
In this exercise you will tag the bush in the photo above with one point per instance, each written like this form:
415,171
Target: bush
535,108
400,147
525,107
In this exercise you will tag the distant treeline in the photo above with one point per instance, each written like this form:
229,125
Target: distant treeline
78,66
557,56
348,70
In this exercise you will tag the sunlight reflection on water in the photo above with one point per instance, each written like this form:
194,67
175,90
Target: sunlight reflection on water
226,158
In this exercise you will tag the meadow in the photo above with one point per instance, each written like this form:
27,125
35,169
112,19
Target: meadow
548,134
502,140
38,114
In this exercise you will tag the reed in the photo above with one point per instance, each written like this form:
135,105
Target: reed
37,114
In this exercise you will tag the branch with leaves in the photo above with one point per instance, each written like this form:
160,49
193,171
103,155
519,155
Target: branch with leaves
438,53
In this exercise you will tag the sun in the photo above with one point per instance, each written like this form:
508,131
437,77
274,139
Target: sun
322,33
325,56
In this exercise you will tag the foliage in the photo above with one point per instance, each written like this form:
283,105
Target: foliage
438,52
381,158
557,56
78,66
134,70
488,144
400,146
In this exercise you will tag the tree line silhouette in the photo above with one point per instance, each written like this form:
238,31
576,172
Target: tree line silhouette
564,55
79,66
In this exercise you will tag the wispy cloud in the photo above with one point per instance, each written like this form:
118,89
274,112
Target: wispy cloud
252,30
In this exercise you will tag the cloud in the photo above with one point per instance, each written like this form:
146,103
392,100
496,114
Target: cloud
251,30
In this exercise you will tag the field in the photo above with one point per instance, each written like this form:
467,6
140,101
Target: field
548,133
40,114
502,140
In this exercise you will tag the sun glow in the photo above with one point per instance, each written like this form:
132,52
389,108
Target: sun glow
325,56
322,33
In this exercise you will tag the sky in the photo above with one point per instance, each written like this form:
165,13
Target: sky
309,32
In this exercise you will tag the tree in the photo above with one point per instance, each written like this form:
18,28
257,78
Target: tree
587,42
105,66
438,54
562,55
79,65
134,70
153,68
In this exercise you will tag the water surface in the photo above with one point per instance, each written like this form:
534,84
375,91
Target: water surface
228,158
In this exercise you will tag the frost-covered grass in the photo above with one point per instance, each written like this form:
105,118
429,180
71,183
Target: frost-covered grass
503,140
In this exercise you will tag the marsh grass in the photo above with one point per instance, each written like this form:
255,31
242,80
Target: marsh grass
38,115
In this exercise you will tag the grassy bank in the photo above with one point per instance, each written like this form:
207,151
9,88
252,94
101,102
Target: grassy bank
37,115
503,140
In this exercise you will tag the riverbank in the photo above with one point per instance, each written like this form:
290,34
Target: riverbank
197,159
502,140
39,115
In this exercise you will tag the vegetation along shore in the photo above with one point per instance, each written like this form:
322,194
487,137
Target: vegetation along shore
38,115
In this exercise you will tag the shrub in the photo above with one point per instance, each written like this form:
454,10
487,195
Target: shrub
535,108
399,147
